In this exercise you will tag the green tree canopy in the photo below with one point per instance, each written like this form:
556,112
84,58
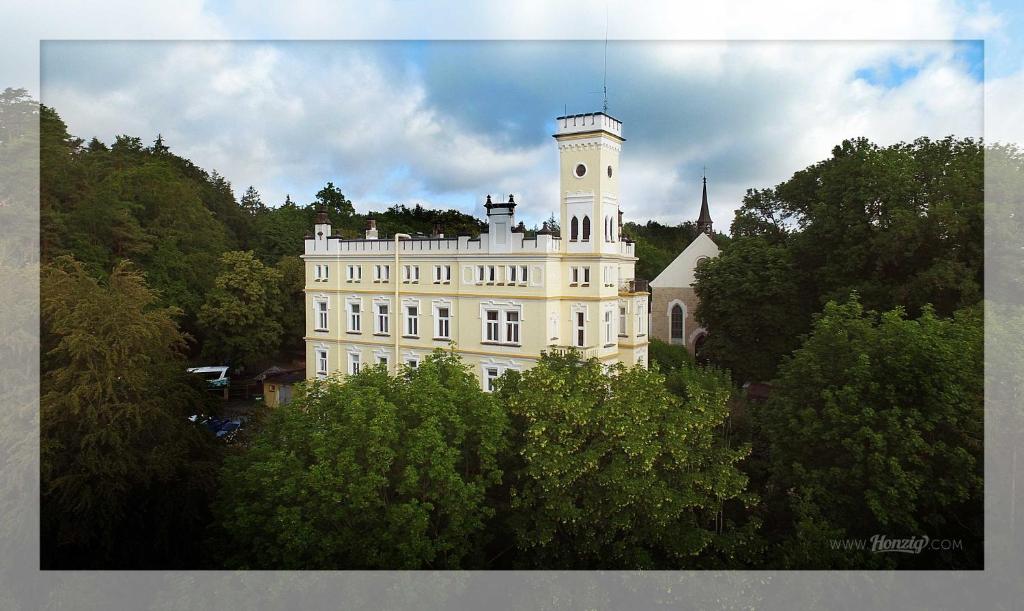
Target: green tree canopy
372,471
613,470
241,317
875,426
900,225
123,472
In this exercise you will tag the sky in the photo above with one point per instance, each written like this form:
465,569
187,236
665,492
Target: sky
444,123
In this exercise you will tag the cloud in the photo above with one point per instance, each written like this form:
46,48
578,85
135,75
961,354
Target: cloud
447,123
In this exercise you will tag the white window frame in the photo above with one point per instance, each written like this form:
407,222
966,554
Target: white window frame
608,327
492,325
381,272
322,315
510,273
524,274
322,364
411,273
512,327
500,330
355,318
411,322
412,361
442,323
382,322
320,272
489,379
354,363
354,273
577,312
574,275
481,273
586,276
622,320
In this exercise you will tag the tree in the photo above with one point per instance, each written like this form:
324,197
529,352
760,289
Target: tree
241,314
334,202
749,300
899,225
251,202
125,477
293,302
875,425
613,471
369,471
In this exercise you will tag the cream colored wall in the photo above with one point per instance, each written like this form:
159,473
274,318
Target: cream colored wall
539,300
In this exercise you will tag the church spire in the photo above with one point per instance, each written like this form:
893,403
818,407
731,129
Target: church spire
704,220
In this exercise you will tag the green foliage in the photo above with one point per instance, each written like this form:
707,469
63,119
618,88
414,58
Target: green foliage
293,302
899,225
749,300
241,316
875,425
371,471
616,472
123,472
668,357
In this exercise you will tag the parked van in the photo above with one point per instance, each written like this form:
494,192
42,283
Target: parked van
216,377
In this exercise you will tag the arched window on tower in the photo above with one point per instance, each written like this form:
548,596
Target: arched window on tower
574,229
586,229
676,326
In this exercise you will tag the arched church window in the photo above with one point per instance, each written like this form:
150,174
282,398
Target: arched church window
676,327
574,229
586,229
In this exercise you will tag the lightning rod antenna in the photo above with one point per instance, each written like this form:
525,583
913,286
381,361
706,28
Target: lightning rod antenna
605,87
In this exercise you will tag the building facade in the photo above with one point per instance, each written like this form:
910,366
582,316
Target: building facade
673,299
500,300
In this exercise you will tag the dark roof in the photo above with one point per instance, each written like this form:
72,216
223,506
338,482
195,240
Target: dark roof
288,377
275,372
704,220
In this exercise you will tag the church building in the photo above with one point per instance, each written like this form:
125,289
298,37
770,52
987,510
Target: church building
673,299
500,299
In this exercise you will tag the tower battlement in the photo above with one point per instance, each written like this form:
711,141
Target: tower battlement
588,123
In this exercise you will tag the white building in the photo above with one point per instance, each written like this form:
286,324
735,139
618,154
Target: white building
501,299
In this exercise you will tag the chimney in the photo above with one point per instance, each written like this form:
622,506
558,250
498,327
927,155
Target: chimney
371,229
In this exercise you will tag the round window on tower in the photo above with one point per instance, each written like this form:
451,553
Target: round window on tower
581,170
609,171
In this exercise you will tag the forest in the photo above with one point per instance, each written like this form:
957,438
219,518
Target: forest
853,289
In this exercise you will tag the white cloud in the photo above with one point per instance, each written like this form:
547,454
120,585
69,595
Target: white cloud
288,118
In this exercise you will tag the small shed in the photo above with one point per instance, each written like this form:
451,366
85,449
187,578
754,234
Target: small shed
278,383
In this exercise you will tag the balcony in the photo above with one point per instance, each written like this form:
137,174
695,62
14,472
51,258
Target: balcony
629,287
586,353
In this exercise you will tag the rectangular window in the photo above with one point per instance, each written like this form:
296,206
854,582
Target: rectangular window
382,318
492,325
511,273
480,273
437,274
414,363
586,276
639,323
355,318
321,315
321,273
443,323
412,321
491,378
355,273
512,327
382,360
608,327
446,277
381,273
353,363
321,363
491,274
522,274
574,275
415,273
581,327
622,320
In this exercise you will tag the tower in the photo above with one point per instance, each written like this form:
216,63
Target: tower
704,220
500,217
588,150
